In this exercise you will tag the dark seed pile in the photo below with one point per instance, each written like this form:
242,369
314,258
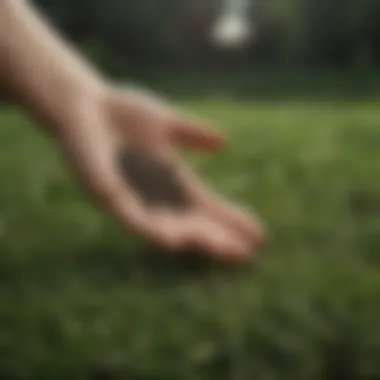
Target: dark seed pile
154,179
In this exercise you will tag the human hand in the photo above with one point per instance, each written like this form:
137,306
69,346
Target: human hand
116,120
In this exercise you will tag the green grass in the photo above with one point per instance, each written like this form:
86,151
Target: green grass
79,298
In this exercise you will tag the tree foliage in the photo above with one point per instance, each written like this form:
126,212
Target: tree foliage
312,32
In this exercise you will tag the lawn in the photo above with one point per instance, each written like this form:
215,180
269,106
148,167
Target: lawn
79,298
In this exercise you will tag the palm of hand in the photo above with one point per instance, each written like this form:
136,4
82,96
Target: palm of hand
119,121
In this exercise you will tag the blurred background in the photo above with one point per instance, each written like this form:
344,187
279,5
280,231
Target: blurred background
244,38
296,85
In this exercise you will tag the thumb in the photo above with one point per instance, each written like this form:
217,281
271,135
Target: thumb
195,135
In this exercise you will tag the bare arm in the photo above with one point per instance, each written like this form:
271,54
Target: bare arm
39,68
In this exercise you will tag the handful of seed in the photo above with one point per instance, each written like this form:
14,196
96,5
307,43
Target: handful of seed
154,179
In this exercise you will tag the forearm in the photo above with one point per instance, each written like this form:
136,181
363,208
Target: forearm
39,68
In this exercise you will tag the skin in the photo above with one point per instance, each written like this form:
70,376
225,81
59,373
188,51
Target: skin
90,119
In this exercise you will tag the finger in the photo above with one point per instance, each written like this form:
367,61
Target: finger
214,240
160,228
164,227
243,224
195,135
238,219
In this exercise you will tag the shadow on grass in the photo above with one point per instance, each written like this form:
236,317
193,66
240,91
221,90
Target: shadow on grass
103,264
153,265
